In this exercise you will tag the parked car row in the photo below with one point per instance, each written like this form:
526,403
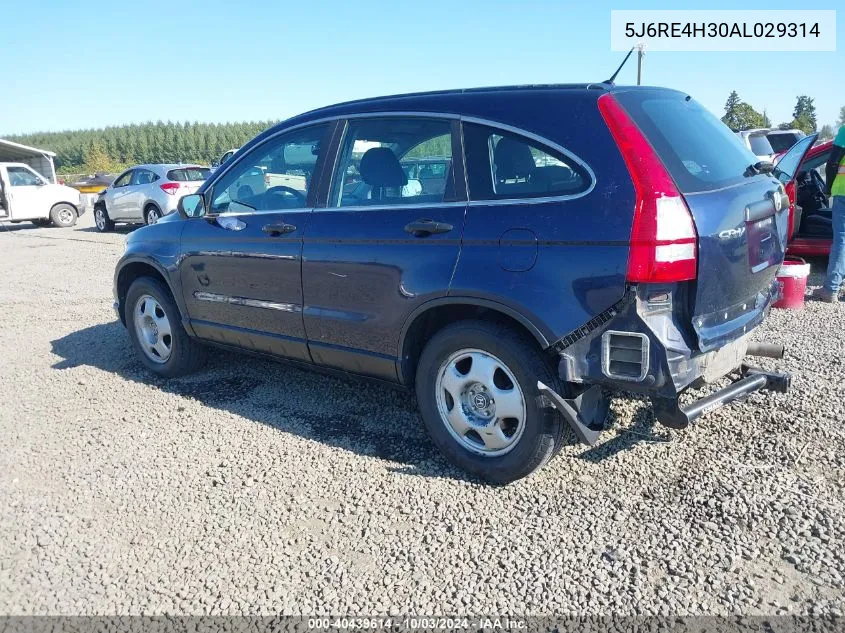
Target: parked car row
766,143
506,263
146,193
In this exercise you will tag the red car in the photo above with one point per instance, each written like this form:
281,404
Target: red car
802,172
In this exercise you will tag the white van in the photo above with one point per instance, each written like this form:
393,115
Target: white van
26,195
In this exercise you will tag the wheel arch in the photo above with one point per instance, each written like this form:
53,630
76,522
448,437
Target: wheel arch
149,202
131,270
434,315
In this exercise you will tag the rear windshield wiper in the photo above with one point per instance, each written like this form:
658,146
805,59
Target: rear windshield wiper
760,167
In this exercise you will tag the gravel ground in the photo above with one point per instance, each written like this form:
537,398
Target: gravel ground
256,488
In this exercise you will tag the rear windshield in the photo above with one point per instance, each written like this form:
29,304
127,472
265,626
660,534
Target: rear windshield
187,174
760,145
782,142
700,152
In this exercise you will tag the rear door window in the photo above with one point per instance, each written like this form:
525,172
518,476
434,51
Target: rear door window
144,177
700,152
395,161
502,165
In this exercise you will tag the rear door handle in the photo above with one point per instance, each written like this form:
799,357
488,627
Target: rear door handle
275,230
425,227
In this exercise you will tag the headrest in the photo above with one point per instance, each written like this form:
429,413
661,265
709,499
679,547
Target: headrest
380,168
513,159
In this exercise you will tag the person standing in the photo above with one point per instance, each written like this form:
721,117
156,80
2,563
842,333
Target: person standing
835,178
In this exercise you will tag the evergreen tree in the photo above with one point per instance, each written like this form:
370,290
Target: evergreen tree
730,117
804,115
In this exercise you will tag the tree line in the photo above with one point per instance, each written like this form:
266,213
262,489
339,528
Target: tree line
112,149
740,115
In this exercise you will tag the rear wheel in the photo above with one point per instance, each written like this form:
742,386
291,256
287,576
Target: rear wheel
102,220
152,215
477,392
63,215
155,328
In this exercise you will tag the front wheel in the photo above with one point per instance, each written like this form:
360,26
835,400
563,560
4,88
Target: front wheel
102,220
155,328
63,215
477,392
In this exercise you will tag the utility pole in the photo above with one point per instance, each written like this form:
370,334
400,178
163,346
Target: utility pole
640,56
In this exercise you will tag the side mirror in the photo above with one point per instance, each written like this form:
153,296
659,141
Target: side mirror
191,206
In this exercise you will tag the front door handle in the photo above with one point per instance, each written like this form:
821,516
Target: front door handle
425,227
275,230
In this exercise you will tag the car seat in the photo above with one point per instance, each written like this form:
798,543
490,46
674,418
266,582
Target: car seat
382,171
514,165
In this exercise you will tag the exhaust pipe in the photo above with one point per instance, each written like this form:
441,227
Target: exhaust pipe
769,350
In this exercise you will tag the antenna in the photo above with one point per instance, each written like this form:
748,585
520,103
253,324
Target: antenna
640,56
610,81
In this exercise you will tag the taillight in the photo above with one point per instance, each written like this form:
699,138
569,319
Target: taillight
663,239
170,187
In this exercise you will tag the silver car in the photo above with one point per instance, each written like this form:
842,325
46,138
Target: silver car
145,193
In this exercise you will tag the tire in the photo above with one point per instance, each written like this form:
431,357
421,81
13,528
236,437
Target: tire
519,364
151,215
63,215
184,355
102,220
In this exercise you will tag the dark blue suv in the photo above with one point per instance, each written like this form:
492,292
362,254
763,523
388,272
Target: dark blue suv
508,253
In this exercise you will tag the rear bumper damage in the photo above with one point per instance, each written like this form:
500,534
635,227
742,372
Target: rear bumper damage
641,346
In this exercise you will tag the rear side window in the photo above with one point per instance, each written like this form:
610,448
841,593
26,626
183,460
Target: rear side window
189,174
502,166
700,152
782,142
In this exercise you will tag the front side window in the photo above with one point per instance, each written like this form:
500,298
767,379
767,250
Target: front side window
123,180
21,177
502,166
395,161
275,176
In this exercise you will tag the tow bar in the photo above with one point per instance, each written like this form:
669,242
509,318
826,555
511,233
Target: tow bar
586,413
670,413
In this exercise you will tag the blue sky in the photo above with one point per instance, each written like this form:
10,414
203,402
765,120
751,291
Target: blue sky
115,63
